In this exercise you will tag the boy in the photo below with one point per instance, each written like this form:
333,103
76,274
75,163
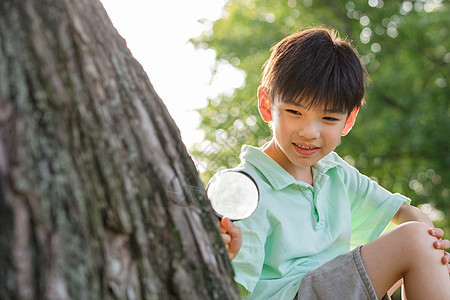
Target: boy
314,208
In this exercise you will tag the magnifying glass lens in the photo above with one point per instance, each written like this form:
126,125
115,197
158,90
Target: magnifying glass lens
233,195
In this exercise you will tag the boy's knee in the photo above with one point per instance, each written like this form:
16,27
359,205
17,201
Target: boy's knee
416,239
413,228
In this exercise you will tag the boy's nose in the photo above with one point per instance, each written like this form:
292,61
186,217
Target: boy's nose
309,131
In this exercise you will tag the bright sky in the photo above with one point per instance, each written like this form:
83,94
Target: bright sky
157,33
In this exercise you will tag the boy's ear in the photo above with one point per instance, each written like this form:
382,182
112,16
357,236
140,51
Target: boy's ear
264,104
350,121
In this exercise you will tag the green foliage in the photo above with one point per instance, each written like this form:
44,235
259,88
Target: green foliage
401,136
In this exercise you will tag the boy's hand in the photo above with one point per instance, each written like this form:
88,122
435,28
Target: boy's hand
231,236
441,244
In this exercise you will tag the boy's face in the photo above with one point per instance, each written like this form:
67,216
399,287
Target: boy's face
302,136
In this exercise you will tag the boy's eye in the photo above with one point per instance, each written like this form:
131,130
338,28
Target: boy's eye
294,112
330,119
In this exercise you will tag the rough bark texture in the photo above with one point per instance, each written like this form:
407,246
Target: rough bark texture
99,198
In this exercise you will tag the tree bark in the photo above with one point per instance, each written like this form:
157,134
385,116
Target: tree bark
99,198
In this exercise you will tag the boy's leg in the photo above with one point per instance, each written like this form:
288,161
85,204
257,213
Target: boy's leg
407,252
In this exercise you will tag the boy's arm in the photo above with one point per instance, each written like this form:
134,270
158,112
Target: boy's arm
408,213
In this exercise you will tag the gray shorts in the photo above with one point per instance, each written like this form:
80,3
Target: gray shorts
341,278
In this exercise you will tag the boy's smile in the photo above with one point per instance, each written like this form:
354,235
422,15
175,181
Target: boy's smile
306,150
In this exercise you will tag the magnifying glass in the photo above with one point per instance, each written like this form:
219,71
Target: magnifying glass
233,194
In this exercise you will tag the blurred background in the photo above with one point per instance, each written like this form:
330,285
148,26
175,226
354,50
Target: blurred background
401,138
208,79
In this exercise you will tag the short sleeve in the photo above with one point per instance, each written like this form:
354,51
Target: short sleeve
249,262
372,206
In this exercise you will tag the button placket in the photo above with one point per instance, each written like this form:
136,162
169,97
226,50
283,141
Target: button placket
320,180
308,194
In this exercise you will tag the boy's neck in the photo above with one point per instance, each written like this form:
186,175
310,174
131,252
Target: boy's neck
303,175
300,173
307,177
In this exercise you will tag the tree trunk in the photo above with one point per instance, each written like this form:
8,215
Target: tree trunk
99,198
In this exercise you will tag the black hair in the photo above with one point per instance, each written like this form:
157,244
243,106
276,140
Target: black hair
316,68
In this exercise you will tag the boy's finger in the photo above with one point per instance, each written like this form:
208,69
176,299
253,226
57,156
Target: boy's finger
221,227
442,244
224,222
227,224
437,232
233,229
446,258
226,238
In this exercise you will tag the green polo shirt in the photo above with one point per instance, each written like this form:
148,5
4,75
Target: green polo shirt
298,227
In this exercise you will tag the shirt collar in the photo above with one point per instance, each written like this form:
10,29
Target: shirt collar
278,177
